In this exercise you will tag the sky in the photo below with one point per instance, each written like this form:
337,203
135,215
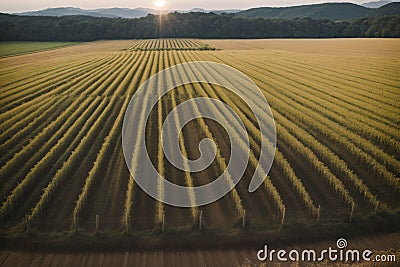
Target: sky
29,5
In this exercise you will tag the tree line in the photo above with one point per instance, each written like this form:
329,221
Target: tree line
189,25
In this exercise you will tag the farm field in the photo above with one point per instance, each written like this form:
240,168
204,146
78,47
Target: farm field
14,48
336,105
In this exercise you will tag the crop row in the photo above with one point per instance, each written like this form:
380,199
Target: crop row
323,126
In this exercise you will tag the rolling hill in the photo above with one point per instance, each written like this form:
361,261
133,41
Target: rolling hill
331,11
376,4
112,12
387,10
102,12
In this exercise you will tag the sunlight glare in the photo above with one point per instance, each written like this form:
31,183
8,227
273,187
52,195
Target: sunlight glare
159,3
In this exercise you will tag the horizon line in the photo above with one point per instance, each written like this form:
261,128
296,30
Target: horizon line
196,7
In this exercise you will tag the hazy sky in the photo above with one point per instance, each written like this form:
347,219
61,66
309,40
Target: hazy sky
25,5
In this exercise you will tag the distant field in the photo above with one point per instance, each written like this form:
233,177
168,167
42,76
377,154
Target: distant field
342,47
335,102
15,48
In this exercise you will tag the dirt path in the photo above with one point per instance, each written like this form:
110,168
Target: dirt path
218,213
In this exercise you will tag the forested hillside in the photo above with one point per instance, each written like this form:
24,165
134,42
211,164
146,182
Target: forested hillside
190,25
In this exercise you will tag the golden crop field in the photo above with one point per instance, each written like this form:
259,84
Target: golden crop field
336,105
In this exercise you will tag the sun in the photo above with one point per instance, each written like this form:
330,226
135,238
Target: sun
159,3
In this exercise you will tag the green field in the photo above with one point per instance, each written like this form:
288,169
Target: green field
15,48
